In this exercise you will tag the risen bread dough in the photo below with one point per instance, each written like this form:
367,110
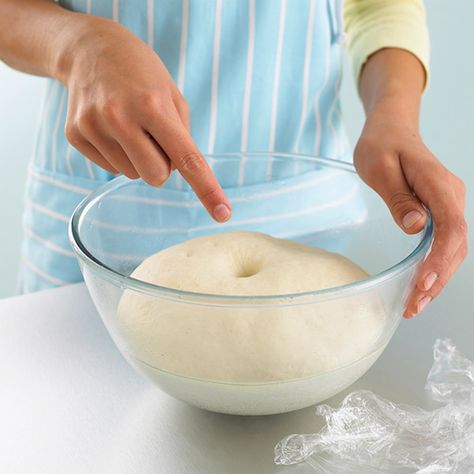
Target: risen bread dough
239,342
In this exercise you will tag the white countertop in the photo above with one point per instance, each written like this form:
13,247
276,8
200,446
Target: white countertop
69,403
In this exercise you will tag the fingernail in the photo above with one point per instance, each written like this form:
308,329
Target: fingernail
422,303
430,280
411,218
221,213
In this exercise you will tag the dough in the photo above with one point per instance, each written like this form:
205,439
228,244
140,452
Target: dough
248,341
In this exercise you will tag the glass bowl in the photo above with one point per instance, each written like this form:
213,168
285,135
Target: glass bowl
240,354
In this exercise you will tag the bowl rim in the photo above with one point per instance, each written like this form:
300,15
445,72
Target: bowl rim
129,282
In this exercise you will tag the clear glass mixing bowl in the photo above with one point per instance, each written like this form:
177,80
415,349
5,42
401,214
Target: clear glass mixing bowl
317,201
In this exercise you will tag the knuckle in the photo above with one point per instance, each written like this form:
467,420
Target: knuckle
401,201
86,118
157,179
209,194
191,162
376,166
365,147
362,148
361,154
73,134
110,111
131,174
153,104
113,114
460,227
126,167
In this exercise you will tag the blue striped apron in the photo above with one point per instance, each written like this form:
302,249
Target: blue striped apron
259,75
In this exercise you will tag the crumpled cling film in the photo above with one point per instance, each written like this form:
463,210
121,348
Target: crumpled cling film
368,434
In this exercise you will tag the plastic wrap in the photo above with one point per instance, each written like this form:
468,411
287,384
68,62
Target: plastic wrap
368,434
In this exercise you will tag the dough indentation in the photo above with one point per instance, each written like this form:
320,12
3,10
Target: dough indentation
247,270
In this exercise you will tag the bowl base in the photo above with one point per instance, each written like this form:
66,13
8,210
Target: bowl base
257,399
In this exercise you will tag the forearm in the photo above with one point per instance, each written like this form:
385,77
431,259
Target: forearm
392,159
393,80
38,36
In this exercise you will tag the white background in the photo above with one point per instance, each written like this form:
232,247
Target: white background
447,120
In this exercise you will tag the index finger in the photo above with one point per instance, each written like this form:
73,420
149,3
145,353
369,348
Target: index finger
185,155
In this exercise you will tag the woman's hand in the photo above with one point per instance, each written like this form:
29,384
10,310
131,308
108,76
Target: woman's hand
126,114
392,159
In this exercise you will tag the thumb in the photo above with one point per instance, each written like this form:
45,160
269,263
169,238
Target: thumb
406,209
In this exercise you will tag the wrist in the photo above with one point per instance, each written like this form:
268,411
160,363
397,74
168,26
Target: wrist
75,41
391,84
396,109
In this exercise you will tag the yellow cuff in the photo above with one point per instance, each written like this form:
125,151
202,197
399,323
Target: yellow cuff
372,25
380,38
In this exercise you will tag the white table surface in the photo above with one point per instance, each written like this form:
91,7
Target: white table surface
69,403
